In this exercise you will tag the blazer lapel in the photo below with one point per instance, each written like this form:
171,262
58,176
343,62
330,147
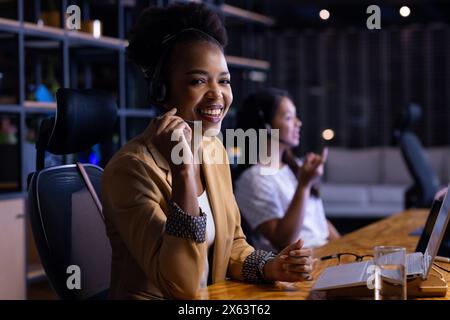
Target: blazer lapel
160,161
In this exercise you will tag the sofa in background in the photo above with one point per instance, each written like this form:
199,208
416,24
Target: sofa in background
371,183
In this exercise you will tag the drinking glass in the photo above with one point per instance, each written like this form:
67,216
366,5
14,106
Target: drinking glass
390,273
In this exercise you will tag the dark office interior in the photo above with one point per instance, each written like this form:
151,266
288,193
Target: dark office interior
357,92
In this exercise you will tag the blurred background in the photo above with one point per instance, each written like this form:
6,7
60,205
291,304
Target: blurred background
355,90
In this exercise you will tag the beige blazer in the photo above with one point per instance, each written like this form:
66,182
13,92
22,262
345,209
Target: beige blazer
146,262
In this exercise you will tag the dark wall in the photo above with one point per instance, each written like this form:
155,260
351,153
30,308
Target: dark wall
356,81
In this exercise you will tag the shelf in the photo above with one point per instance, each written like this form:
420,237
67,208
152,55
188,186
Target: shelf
232,11
12,195
43,31
80,38
10,108
9,25
75,37
45,106
35,273
138,112
246,14
247,63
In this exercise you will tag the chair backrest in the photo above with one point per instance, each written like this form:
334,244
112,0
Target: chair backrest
68,229
425,178
426,181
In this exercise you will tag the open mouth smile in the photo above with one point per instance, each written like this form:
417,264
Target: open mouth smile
212,113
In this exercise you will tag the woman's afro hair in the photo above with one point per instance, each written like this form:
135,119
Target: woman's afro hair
156,23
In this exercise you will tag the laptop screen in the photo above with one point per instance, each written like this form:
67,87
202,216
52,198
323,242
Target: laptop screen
437,234
425,233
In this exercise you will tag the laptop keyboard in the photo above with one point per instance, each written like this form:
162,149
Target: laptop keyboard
358,273
414,266
414,263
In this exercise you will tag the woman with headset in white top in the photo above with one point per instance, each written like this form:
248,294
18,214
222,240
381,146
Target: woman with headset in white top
285,204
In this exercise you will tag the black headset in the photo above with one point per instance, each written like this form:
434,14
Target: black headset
267,125
263,122
157,87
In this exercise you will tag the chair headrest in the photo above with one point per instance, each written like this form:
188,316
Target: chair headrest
83,118
410,116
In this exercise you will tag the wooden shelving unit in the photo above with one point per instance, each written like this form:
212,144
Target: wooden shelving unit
30,35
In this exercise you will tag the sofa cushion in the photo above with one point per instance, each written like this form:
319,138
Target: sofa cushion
393,167
387,194
353,166
351,194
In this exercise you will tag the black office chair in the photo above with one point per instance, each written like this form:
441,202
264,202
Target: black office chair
426,181
67,224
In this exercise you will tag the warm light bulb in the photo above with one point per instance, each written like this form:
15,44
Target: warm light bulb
328,134
324,14
97,29
405,11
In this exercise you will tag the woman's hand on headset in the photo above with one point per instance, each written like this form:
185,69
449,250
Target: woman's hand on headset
172,137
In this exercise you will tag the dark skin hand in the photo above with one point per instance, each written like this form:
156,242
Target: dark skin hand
292,264
184,175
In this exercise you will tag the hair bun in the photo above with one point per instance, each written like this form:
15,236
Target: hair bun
156,23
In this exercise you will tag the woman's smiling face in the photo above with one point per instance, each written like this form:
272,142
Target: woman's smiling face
287,122
199,83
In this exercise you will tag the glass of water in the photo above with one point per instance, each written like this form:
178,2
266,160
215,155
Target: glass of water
390,273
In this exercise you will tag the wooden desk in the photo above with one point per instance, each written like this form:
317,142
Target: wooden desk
391,231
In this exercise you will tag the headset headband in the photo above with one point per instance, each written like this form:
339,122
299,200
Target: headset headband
168,38
172,36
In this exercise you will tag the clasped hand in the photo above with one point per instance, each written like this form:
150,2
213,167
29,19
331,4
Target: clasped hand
292,264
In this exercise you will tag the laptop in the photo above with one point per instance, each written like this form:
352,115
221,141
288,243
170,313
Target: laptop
425,233
418,264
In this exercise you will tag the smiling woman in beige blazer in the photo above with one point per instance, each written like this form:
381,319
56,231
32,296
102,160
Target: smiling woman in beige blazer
175,227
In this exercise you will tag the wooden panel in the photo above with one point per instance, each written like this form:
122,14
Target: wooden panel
391,231
12,249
